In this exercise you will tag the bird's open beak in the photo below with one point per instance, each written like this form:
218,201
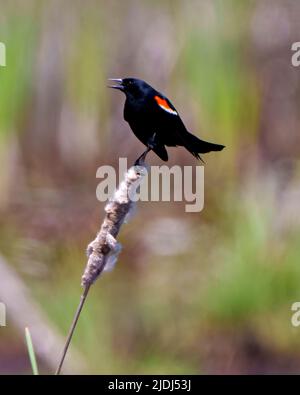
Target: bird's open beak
119,81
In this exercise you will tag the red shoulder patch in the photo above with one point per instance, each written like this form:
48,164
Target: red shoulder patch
164,105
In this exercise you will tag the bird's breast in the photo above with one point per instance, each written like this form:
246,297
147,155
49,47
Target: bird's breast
135,111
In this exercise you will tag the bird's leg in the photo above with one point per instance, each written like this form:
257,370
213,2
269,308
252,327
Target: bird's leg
151,142
141,159
150,145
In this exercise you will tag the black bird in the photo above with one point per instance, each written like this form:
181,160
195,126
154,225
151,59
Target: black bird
155,121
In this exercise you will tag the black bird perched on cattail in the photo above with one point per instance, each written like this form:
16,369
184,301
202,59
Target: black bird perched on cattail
155,121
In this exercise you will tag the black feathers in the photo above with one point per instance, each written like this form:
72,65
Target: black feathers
156,122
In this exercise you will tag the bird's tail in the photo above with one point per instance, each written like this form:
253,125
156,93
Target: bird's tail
196,146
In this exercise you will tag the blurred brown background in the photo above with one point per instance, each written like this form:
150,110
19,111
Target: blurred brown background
209,292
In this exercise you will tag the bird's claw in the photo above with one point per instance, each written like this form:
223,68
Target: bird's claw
140,161
150,146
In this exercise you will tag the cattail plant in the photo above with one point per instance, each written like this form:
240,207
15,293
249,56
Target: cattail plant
103,252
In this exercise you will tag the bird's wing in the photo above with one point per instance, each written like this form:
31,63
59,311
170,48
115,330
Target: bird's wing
167,117
162,103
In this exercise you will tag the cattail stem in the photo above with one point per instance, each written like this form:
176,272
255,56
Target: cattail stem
73,326
105,248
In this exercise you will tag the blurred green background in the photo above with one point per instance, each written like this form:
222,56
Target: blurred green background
207,292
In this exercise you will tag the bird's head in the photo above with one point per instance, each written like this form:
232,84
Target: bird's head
132,87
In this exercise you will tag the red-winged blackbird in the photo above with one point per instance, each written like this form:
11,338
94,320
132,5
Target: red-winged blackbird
155,121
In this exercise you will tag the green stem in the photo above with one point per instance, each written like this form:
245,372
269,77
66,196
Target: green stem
31,352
